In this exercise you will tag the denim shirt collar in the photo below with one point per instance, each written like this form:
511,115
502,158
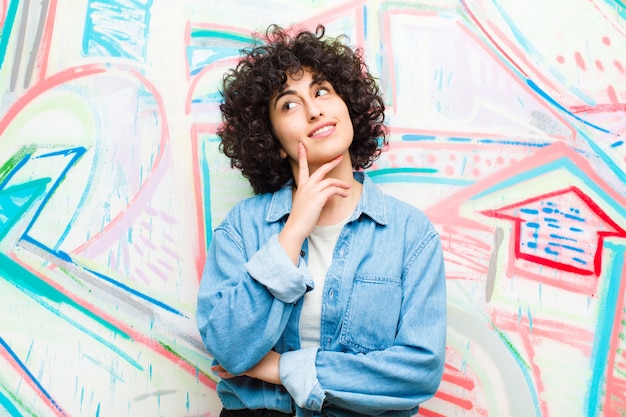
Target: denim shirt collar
371,203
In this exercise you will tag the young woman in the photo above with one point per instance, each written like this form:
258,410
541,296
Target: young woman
321,295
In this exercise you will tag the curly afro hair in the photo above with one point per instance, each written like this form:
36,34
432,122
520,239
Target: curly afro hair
246,132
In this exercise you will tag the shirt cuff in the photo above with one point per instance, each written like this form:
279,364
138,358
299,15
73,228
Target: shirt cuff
299,376
272,267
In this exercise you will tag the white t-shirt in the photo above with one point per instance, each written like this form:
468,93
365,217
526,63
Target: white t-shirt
322,242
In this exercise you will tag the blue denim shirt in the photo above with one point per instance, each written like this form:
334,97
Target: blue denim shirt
383,324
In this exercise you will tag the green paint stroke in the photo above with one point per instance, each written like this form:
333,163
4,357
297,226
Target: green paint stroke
9,400
9,165
510,346
183,359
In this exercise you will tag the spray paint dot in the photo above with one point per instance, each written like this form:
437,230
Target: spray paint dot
612,94
580,61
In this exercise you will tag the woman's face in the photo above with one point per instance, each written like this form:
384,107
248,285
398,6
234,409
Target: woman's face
310,112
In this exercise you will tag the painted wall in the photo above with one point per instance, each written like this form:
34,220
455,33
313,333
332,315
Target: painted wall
508,121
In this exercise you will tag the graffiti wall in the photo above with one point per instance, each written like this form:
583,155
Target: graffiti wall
507,119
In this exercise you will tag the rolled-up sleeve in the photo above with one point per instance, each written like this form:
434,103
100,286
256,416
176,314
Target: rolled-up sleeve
299,376
286,281
244,305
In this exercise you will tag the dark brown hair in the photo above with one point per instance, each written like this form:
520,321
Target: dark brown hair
246,132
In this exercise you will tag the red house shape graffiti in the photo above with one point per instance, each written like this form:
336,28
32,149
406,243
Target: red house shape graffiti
564,230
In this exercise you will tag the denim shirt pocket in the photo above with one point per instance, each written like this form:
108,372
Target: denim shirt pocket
371,319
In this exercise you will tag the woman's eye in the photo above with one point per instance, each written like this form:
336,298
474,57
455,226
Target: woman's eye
322,91
289,105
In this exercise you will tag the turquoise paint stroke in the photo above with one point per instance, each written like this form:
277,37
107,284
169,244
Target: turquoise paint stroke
7,405
207,33
563,162
206,193
39,291
22,366
408,174
604,330
619,6
387,171
29,283
15,201
415,138
9,20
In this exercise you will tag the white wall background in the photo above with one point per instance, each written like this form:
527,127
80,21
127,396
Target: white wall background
508,121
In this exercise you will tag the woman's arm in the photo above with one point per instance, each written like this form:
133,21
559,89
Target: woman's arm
266,370
398,377
244,305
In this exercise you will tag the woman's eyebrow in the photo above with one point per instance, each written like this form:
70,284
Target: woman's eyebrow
282,94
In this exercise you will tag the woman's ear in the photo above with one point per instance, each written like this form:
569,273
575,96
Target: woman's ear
282,153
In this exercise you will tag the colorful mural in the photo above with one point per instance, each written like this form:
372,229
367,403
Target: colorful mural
507,119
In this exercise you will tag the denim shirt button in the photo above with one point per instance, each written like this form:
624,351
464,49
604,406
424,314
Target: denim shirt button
331,293
302,253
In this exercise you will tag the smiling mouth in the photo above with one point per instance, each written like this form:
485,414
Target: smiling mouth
322,130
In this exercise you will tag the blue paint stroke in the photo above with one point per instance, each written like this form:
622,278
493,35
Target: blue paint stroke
117,28
16,200
75,154
514,142
531,50
134,292
552,101
416,138
41,389
39,290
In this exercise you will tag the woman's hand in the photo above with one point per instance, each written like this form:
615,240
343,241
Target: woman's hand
312,194
266,370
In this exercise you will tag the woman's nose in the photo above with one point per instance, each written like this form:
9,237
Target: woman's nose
314,110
